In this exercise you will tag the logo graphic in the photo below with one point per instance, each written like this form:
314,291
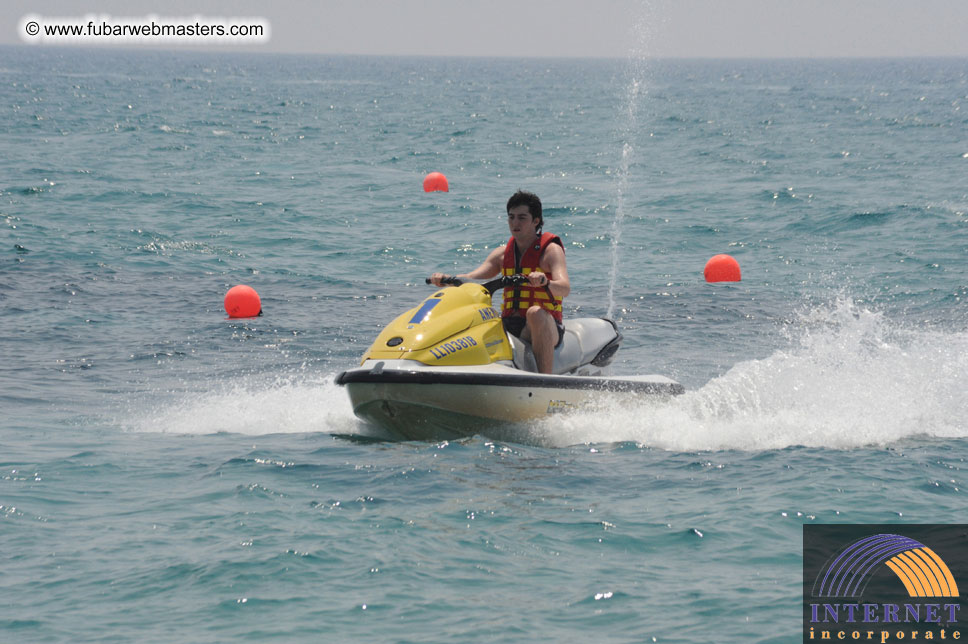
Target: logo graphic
919,568
883,583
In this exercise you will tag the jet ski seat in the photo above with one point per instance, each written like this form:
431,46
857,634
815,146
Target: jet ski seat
587,341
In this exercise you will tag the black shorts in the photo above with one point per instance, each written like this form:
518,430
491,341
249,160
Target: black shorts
515,326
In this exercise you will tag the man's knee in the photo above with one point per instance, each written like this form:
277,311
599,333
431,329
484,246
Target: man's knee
540,323
536,314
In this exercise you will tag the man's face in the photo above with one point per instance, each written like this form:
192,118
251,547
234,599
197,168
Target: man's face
521,223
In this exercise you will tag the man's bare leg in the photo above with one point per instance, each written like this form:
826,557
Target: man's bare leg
543,333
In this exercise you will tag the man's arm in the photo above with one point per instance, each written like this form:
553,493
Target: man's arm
553,259
490,268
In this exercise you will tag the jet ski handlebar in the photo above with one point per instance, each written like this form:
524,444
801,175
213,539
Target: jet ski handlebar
447,280
501,282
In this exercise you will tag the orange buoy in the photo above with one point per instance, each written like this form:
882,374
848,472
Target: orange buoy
436,182
722,268
242,302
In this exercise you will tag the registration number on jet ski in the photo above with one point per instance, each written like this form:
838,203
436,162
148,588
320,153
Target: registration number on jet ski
445,349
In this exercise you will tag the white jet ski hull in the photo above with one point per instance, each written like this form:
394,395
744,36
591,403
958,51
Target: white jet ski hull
417,402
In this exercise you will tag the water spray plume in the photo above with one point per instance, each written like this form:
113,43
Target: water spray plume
642,28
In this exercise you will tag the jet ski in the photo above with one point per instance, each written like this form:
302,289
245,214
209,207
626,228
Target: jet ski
448,369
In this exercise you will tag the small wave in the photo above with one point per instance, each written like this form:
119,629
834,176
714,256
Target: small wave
28,190
913,218
783,195
867,218
168,247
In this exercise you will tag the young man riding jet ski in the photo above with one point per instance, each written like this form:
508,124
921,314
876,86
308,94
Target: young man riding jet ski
448,368
531,312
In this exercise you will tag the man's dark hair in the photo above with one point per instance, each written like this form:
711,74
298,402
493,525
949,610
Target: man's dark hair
529,199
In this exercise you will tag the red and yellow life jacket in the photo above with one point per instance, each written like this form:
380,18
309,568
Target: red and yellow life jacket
518,299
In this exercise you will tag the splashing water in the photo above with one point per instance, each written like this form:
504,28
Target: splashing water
290,404
850,379
616,233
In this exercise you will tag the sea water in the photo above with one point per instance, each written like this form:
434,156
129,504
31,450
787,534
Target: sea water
171,475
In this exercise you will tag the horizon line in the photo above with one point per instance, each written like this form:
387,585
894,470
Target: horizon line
228,49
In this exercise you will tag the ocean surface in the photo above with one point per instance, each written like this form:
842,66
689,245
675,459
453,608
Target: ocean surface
171,475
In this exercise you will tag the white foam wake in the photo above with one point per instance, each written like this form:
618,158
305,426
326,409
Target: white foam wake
850,378
254,406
